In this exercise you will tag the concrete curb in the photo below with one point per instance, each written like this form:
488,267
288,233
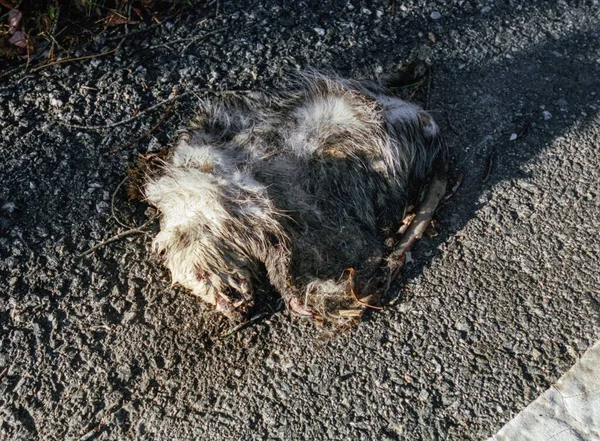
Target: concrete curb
568,411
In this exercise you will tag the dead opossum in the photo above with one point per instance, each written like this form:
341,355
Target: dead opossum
300,187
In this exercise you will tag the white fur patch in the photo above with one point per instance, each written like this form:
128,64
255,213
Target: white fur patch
320,117
187,195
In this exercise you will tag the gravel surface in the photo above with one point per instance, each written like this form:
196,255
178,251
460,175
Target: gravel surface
490,312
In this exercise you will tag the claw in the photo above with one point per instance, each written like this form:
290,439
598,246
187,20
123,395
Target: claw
232,305
225,306
300,309
231,310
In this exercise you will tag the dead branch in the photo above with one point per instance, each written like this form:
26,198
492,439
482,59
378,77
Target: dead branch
86,57
127,120
148,132
435,193
139,230
112,205
243,325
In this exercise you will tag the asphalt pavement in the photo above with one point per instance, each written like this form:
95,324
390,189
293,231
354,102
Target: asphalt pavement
489,313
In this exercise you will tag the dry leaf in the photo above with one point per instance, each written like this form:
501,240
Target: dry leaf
114,19
7,4
149,5
138,13
46,23
19,39
14,20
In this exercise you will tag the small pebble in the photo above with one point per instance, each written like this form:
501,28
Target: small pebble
461,326
9,207
547,115
320,31
102,207
128,316
436,15
55,102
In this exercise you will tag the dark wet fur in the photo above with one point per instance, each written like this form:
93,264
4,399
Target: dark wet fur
306,182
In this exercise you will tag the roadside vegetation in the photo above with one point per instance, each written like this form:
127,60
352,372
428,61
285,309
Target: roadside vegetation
43,31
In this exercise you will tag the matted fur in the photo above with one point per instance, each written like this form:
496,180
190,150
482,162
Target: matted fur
296,186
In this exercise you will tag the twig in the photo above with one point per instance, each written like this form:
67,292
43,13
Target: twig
9,72
351,274
128,18
423,217
450,123
490,164
187,46
365,304
137,31
149,109
112,204
116,237
243,325
224,92
429,76
407,86
86,57
53,33
454,187
3,372
127,120
162,120
166,44
198,38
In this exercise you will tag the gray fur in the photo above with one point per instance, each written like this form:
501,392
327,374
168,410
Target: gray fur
297,185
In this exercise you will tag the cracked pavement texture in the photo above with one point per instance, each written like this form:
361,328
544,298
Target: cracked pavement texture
487,316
